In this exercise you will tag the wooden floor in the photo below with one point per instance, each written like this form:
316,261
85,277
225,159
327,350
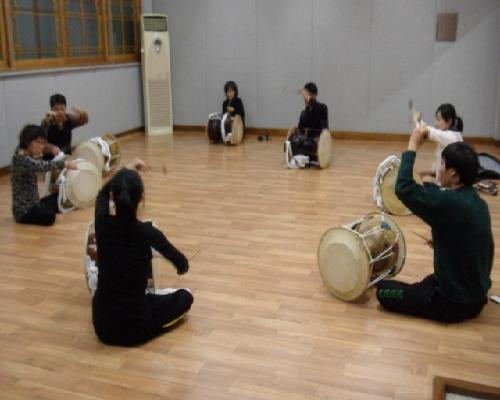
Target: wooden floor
263,326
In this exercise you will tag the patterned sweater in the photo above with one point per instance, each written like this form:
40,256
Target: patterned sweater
24,181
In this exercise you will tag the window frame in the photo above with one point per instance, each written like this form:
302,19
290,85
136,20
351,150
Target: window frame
3,39
79,60
108,20
103,17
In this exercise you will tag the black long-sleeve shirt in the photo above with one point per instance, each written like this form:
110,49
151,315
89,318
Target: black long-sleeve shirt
60,137
315,116
124,254
461,234
237,104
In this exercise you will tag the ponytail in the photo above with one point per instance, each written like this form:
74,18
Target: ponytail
449,114
124,206
458,125
128,190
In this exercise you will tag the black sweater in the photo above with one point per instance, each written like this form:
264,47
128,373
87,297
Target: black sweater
237,104
124,254
315,116
60,137
461,234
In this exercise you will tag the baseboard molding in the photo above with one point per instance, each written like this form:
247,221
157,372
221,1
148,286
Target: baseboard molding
464,388
340,135
372,136
5,170
189,128
248,130
120,135
267,131
128,132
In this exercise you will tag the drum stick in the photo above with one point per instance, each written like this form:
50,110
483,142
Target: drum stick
200,247
427,240
413,110
411,106
158,169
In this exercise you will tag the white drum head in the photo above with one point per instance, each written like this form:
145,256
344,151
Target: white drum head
215,116
325,147
391,202
83,184
91,152
343,263
237,130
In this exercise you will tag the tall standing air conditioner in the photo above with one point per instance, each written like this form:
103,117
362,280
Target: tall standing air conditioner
155,56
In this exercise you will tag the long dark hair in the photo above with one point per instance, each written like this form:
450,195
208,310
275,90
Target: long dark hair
449,114
231,85
127,189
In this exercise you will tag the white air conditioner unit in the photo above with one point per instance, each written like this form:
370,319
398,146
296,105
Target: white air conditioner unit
156,79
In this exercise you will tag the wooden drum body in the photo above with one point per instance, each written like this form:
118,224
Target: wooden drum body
225,128
104,152
312,147
354,257
213,128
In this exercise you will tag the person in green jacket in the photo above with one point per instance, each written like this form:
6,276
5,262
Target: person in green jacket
461,238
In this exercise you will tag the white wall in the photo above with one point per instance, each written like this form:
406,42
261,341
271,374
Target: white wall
147,6
369,57
112,96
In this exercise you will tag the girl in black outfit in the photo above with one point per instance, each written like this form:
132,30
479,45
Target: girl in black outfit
123,314
233,103
315,115
313,119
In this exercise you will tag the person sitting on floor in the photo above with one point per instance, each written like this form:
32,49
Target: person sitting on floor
461,238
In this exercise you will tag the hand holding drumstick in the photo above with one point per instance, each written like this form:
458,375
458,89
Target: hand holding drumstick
137,164
415,116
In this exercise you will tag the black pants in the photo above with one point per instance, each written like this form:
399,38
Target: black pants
422,299
163,311
304,145
43,213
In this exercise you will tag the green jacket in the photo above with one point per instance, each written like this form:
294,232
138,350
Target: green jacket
461,234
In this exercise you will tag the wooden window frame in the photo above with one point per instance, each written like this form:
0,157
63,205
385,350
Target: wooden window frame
108,22
9,63
79,60
443,385
33,62
3,40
